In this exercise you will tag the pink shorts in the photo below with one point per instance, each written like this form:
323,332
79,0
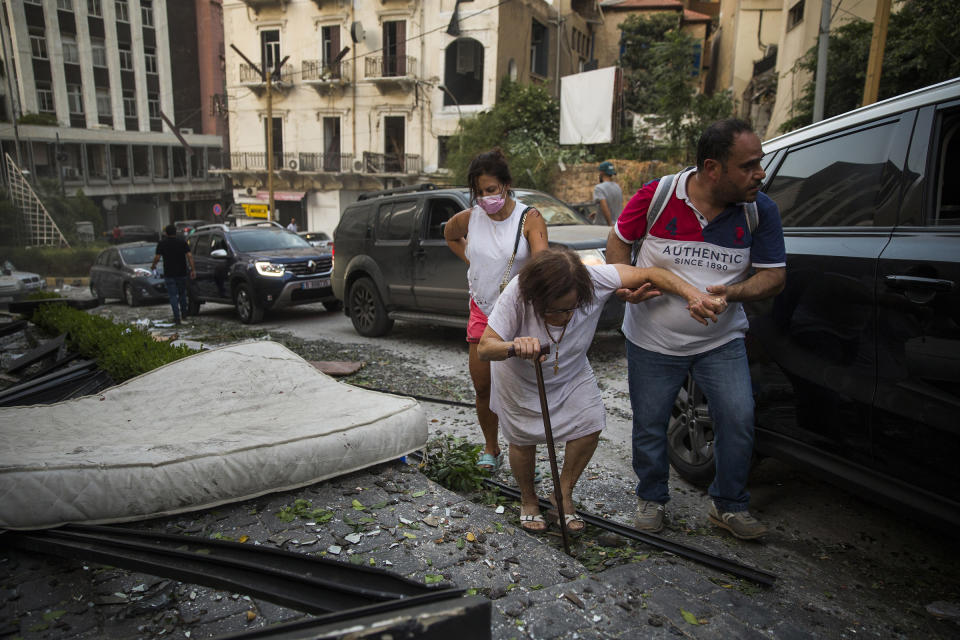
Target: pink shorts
477,323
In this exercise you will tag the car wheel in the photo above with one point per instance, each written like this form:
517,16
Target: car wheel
333,305
130,295
367,311
690,436
96,293
247,308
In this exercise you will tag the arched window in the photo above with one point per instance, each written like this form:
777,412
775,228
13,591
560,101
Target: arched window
463,73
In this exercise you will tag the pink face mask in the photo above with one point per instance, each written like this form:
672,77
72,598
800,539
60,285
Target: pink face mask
491,204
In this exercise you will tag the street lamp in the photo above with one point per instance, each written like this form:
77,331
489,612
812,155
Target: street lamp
459,112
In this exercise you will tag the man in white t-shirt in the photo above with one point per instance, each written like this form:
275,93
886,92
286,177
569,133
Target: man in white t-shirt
608,195
293,225
705,236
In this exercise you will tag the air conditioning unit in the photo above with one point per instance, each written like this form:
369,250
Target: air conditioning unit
186,131
71,172
117,172
251,191
293,165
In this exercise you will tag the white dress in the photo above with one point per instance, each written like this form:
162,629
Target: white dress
573,397
489,247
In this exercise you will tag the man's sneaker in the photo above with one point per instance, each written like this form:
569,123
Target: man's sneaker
739,523
649,516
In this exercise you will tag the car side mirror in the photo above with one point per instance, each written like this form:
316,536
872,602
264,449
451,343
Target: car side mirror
115,264
218,253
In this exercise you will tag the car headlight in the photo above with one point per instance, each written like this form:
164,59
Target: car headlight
142,273
591,257
269,269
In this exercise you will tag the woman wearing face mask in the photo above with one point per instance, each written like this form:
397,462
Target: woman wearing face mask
557,301
504,234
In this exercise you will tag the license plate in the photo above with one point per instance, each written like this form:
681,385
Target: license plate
315,284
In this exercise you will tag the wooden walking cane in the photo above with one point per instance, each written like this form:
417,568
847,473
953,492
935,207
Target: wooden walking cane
551,449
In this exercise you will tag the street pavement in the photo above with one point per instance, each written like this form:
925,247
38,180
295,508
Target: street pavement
846,569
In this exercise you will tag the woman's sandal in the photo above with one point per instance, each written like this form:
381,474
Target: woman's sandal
537,518
489,462
570,518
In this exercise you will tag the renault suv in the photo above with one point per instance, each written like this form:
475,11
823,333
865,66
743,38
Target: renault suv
257,268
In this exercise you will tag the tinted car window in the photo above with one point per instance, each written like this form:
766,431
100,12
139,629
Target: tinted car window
838,182
266,240
440,210
137,255
353,223
200,246
948,200
395,223
218,242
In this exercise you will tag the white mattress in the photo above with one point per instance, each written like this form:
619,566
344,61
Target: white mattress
217,427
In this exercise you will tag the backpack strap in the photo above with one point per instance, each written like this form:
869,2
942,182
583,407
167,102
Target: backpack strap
659,202
753,217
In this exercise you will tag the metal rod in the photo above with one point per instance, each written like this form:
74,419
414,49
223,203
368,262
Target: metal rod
551,449
758,576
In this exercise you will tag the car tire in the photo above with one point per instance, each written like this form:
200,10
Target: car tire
96,293
367,311
130,295
246,305
333,305
690,436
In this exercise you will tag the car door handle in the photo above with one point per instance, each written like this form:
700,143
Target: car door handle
914,282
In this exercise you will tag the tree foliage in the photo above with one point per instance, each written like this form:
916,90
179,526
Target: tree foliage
525,124
660,83
920,50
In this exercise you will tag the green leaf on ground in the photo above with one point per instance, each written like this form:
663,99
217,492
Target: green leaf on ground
689,617
432,578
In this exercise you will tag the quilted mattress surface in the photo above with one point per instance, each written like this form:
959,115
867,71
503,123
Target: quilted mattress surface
220,426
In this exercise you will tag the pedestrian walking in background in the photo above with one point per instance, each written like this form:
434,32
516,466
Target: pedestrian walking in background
557,301
608,195
504,234
176,254
709,234
293,225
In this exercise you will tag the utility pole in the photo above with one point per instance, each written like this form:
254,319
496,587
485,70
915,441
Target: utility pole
267,76
877,44
820,86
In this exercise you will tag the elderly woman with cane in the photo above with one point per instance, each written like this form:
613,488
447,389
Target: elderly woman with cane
557,301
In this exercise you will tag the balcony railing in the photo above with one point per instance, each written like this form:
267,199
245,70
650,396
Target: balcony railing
249,75
326,162
390,163
386,67
306,162
317,71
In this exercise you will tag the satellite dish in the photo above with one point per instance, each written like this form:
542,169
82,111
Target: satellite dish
356,32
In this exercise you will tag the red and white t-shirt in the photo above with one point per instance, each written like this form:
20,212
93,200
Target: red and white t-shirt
681,241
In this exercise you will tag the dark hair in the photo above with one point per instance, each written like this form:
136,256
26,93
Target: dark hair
170,229
491,163
552,274
716,140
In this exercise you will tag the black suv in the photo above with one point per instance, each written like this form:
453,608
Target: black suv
856,364
394,264
257,268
